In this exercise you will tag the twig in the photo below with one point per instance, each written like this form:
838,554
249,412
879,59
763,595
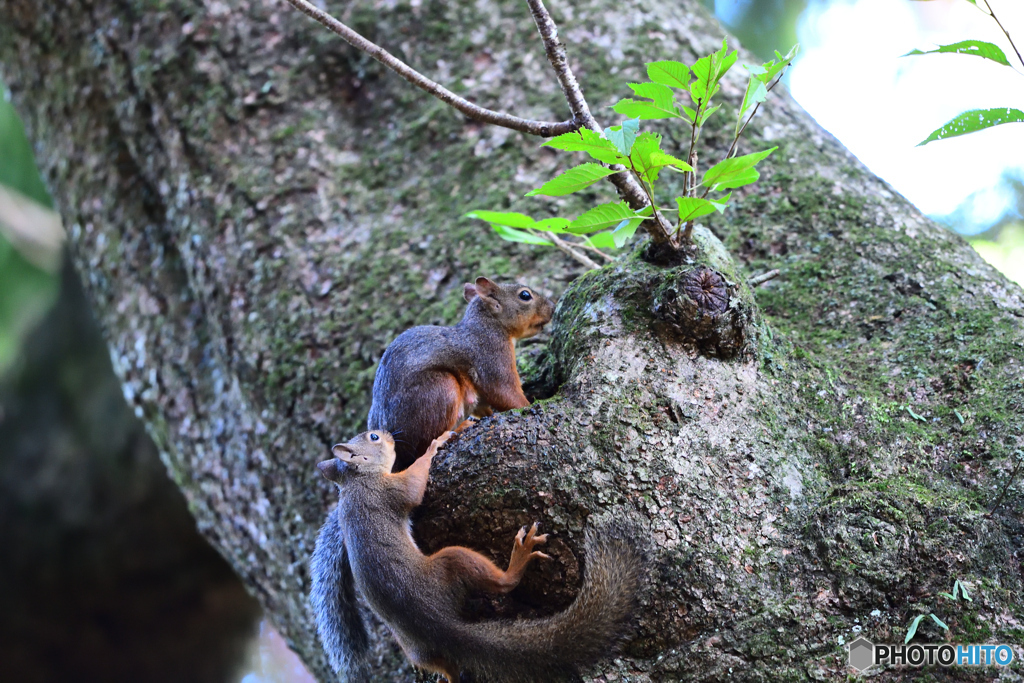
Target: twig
565,247
759,280
628,188
992,13
473,111
606,257
1006,486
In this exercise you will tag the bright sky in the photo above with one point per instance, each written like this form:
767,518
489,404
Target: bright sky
852,79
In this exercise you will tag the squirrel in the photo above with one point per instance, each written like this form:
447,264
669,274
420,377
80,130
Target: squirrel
431,379
419,597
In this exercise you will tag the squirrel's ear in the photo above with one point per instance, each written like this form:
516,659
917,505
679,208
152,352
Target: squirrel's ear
339,448
468,291
485,287
333,469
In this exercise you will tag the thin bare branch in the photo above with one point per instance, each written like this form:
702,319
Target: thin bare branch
627,187
473,111
759,280
606,257
992,13
567,248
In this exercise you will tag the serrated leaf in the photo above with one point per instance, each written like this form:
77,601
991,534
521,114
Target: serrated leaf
601,217
623,137
938,621
708,71
586,140
573,180
689,113
556,225
513,235
509,218
973,121
661,94
978,48
640,109
913,628
648,159
672,74
625,230
602,240
694,207
726,172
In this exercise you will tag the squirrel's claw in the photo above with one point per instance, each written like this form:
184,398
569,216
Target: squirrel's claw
537,553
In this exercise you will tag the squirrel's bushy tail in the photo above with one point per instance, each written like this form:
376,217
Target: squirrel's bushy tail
332,598
555,648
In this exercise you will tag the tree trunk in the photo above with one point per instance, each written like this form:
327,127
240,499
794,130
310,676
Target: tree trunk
257,210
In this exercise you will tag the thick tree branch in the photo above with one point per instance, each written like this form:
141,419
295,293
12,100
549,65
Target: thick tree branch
629,189
473,111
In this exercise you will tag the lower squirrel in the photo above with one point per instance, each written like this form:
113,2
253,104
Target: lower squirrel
419,597
431,379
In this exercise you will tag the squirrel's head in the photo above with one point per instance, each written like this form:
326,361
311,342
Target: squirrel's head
519,310
366,453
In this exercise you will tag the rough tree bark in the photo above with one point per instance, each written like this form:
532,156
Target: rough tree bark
256,210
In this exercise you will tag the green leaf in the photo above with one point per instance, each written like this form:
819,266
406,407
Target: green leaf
708,71
638,109
963,592
663,160
706,114
775,67
661,94
694,207
913,628
623,136
973,121
513,235
915,415
739,179
690,113
573,180
511,219
979,48
601,217
727,172
673,74
938,621
551,225
586,140
947,595
602,240
755,94
625,230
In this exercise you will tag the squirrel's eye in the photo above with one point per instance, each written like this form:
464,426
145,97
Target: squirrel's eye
525,295
374,437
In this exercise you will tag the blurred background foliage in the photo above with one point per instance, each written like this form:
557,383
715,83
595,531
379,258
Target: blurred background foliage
50,385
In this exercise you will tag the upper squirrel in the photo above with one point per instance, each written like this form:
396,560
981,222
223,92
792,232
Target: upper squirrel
431,378
420,597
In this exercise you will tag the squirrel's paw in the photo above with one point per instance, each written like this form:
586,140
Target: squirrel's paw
438,442
525,541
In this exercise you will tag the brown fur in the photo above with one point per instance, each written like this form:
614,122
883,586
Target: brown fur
430,379
420,597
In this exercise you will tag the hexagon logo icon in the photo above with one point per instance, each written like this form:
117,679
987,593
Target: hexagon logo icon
862,654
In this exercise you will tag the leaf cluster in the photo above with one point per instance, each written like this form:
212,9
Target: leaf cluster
674,91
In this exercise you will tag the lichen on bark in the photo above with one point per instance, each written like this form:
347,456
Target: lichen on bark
256,210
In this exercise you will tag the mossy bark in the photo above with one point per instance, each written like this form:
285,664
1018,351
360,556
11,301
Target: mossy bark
257,210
